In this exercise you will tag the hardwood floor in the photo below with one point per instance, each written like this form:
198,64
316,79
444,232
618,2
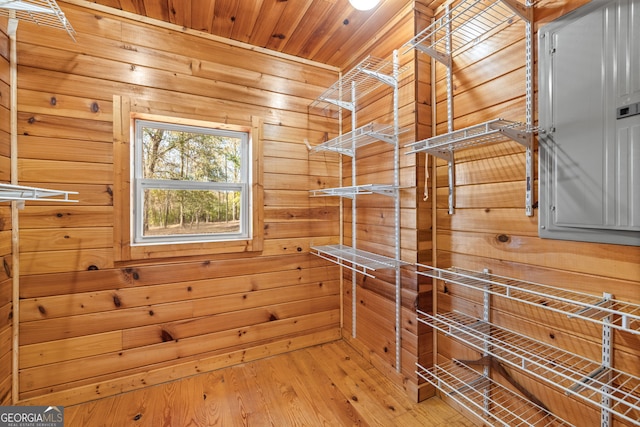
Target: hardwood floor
327,385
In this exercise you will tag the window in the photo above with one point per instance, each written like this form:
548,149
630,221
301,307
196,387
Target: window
191,184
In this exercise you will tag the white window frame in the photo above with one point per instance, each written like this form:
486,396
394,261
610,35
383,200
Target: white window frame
141,184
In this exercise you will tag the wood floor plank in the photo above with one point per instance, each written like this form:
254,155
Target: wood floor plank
369,394
325,385
320,389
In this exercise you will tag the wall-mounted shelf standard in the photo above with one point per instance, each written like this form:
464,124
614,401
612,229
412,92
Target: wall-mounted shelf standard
604,310
40,12
466,23
355,259
507,407
574,374
9,192
613,391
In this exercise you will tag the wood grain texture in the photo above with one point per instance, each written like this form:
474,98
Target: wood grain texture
329,385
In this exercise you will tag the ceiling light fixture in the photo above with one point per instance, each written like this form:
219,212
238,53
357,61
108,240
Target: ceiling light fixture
364,4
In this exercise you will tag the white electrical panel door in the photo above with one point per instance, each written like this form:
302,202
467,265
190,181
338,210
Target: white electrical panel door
589,118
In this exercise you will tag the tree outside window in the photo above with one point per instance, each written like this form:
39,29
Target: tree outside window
191,184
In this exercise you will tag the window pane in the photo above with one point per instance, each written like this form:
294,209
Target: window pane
183,212
187,156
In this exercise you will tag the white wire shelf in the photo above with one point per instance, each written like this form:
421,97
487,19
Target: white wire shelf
356,259
468,22
574,374
349,142
603,310
494,131
369,74
9,192
357,190
41,12
490,401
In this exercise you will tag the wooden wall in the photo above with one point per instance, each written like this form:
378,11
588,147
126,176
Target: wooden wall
6,288
91,326
490,229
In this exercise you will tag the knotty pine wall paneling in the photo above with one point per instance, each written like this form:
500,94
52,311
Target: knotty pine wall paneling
489,228
93,324
6,283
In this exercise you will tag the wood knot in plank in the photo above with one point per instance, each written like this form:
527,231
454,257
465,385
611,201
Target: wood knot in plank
166,336
7,267
503,238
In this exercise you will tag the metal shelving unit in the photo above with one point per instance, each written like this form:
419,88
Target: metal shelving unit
613,391
370,74
20,193
574,374
507,407
41,12
471,21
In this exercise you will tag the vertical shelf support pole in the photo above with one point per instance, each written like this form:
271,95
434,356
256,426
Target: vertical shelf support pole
529,111
354,283
486,317
450,163
341,205
607,339
396,210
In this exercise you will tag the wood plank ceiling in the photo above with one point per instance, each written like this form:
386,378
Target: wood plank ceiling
326,31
